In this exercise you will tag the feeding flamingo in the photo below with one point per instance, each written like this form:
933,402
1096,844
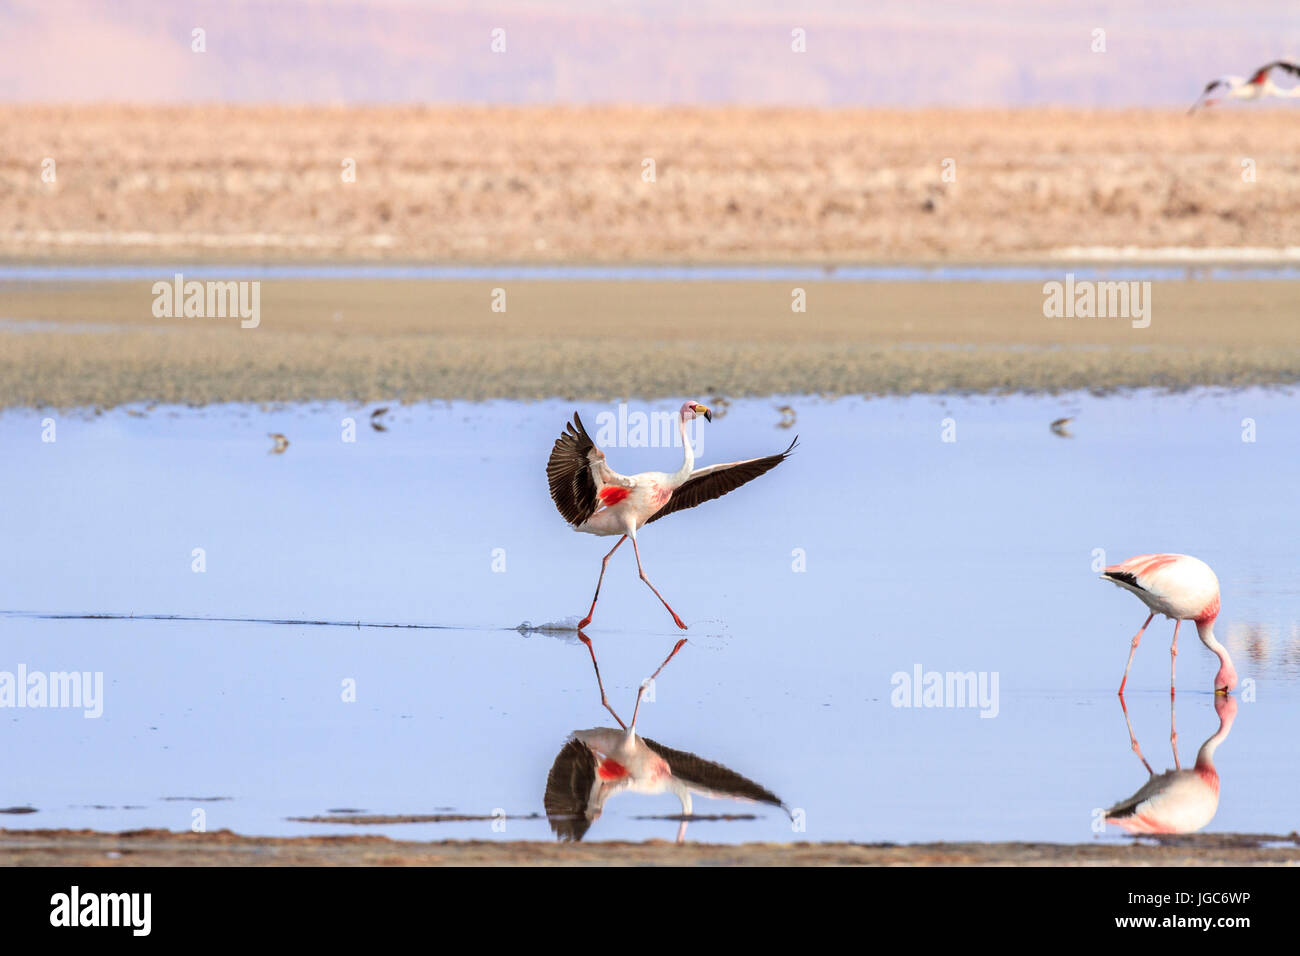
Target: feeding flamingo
597,764
1257,87
595,499
1182,588
1178,800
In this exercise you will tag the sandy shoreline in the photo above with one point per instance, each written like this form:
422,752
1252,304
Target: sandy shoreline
98,344
223,848
216,184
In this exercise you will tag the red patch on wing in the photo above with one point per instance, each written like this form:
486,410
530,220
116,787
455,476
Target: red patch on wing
1259,77
1210,612
611,770
611,495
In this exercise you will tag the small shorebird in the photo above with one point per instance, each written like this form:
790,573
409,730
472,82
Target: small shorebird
1259,86
595,499
1062,427
597,764
1178,800
1182,588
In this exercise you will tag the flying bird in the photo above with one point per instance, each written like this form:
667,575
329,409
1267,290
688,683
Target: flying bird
1061,427
1259,86
1182,588
1178,800
600,763
281,443
595,499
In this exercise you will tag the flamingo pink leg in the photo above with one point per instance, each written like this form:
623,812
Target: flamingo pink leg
599,683
1133,650
603,565
641,689
1173,658
641,571
1173,734
1132,738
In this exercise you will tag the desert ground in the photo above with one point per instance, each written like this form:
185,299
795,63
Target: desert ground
462,185
555,184
165,848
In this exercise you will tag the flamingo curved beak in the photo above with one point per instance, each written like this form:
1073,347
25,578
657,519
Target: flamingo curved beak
703,410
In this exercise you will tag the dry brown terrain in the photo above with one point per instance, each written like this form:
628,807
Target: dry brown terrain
213,184
557,184
223,848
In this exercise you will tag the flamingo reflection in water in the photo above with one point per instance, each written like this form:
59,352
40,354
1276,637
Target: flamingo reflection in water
1178,800
599,763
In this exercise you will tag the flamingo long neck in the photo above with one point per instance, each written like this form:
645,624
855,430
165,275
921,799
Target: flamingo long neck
1205,629
688,456
1205,756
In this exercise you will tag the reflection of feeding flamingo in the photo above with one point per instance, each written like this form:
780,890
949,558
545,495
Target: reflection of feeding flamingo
594,498
602,762
1178,800
1257,87
1182,588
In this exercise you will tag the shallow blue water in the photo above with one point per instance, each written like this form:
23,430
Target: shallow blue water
974,555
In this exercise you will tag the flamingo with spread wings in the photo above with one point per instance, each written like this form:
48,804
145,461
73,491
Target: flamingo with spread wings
595,499
1259,86
598,764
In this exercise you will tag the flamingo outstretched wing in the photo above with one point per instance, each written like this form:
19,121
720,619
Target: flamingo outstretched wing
574,795
1286,65
710,778
715,481
581,482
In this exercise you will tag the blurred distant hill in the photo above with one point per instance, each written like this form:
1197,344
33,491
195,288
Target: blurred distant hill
981,53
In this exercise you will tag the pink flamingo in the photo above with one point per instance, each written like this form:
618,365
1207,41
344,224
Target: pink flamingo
595,499
1258,87
600,763
1182,588
1178,800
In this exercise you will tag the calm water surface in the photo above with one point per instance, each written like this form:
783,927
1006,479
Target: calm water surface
973,555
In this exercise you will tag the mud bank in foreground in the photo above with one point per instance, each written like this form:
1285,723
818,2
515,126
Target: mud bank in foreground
223,848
